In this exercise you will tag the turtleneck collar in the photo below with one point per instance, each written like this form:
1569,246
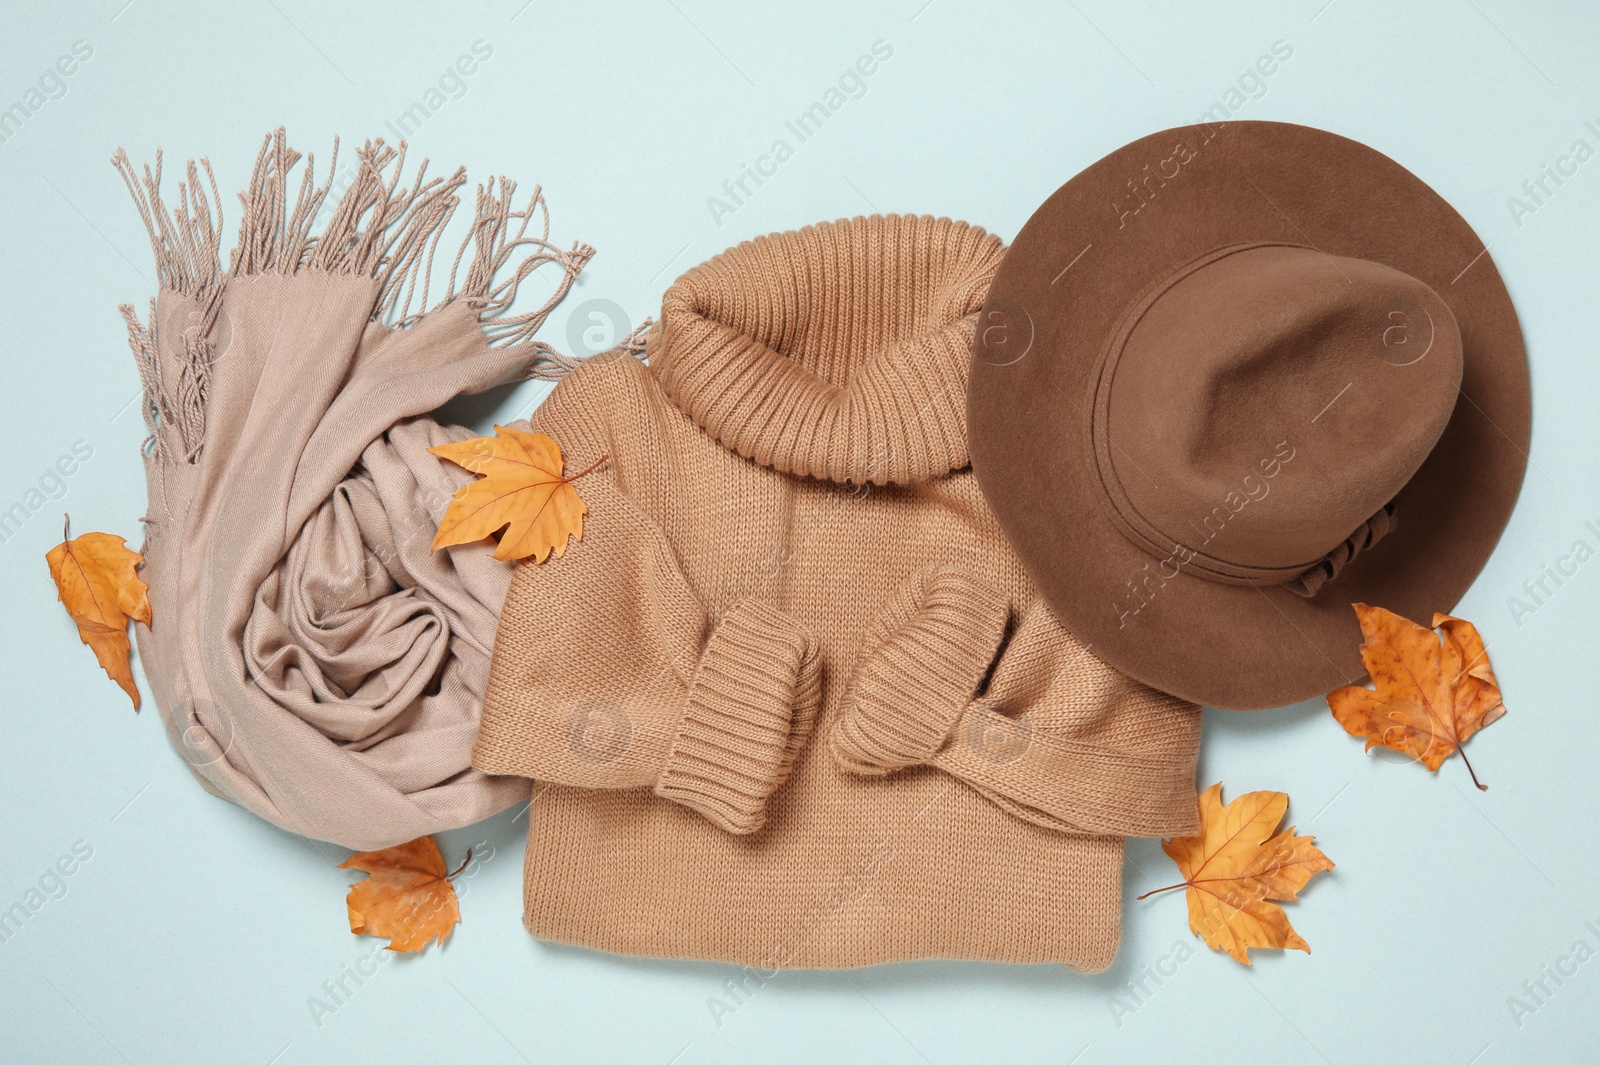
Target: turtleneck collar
839,351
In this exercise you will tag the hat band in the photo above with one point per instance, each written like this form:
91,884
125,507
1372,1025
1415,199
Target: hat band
1372,530
1304,578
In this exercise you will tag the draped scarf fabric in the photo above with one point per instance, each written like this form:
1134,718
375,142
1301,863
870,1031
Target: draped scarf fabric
313,659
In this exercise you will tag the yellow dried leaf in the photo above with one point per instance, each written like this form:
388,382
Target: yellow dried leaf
1430,691
97,580
521,489
1237,871
407,896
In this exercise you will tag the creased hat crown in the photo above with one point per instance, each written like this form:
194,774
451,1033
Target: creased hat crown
1263,403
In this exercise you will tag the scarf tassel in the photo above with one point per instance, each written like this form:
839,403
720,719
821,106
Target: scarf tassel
376,228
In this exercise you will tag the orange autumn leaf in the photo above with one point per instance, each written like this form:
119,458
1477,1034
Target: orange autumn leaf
521,489
97,580
1237,871
1430,691
407,896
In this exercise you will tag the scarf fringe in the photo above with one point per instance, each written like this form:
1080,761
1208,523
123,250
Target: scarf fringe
378,228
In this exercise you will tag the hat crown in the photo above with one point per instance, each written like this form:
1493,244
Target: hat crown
1256,407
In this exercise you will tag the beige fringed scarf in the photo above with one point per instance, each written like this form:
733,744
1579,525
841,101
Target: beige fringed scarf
313,659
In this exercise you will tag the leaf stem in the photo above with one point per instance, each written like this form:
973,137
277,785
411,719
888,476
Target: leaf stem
464,862
66,526
1159,890
590,469
1463,753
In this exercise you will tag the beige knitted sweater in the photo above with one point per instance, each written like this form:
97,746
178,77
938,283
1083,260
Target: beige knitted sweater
792,700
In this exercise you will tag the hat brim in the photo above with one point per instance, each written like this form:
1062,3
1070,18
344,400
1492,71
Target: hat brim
1096,243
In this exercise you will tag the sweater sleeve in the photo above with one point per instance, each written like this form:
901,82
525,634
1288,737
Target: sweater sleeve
1020,710
609,672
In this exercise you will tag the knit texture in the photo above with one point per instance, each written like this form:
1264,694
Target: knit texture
792,700
933,644
748,714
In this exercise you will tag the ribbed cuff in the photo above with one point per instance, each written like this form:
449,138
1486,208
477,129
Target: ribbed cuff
907,695
749,711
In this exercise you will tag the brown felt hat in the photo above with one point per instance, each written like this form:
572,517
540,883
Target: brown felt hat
1230,380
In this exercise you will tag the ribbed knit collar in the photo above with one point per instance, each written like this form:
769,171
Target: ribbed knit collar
838,351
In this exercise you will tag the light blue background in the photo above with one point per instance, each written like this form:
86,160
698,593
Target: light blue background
198,933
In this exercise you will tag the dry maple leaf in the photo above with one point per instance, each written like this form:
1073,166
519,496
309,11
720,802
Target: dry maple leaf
1237,872
407,896
1431,692
521,486
97,580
